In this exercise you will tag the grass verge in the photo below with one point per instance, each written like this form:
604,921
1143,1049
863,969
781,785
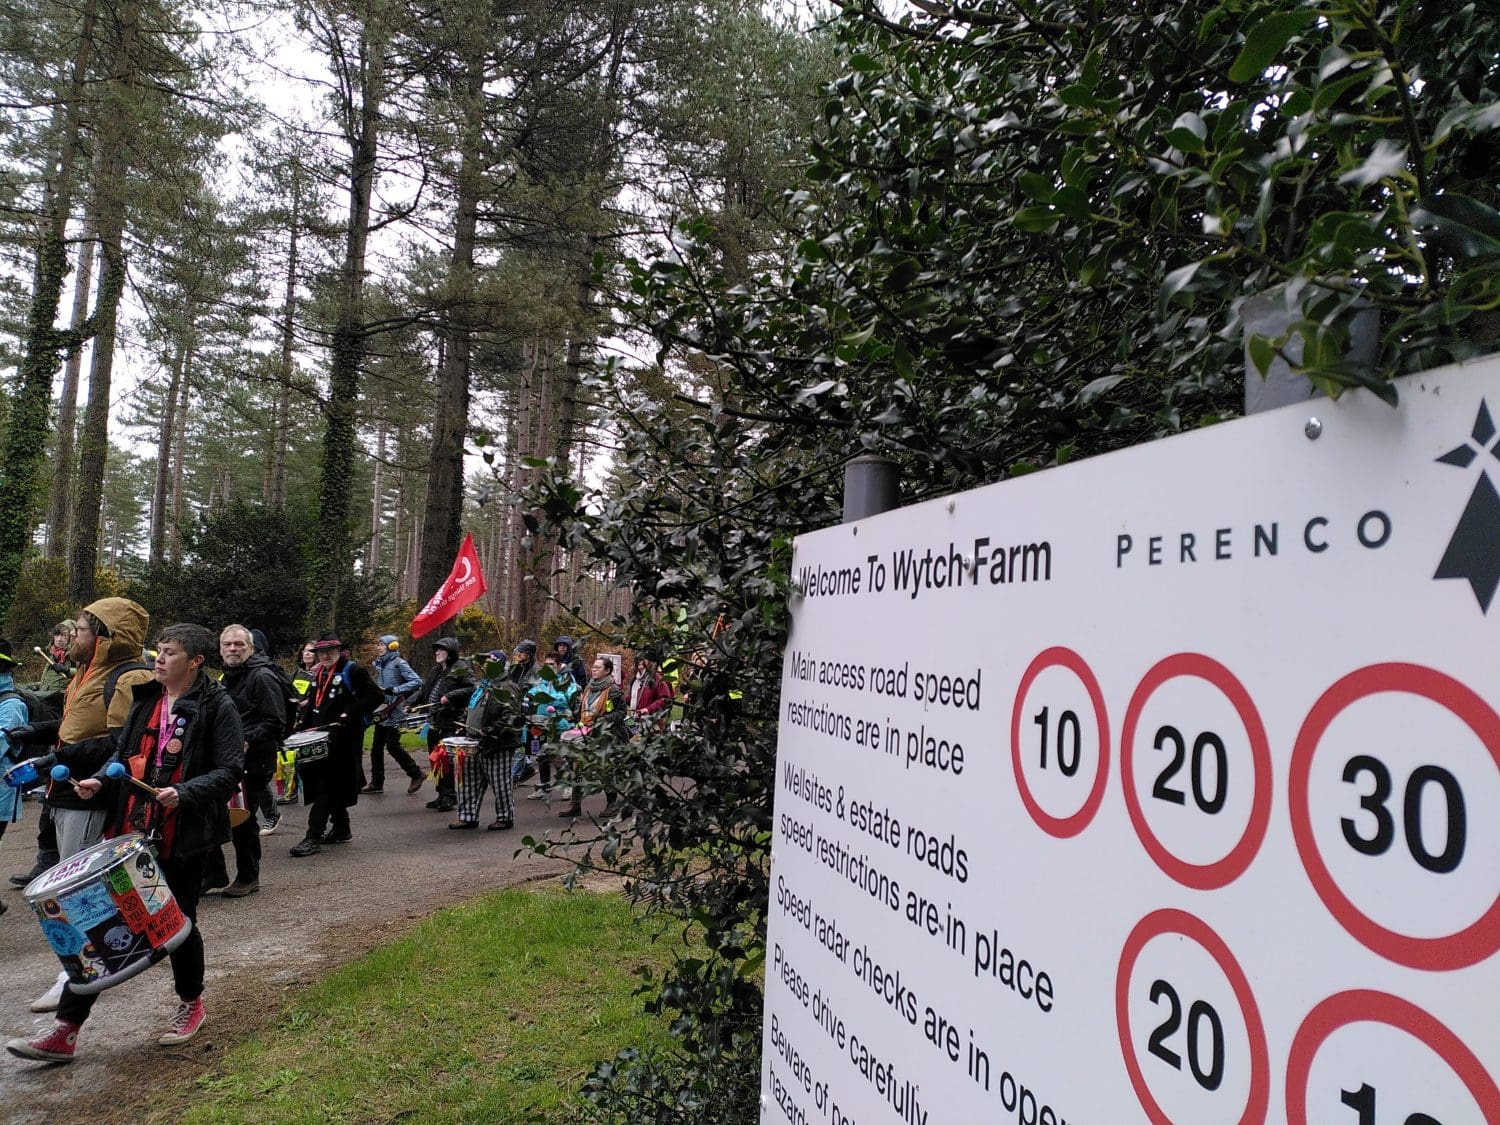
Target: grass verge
491,1012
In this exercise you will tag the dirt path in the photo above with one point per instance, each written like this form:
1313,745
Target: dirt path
310,916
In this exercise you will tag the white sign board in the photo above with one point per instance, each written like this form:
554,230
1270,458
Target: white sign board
1163,787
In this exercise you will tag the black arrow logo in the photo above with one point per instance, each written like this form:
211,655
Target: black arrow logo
1473,552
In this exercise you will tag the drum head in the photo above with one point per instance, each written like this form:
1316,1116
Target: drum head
305,738
84,867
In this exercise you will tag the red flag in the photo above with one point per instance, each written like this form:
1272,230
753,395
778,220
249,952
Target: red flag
465,586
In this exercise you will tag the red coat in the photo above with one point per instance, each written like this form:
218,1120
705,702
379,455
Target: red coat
655,695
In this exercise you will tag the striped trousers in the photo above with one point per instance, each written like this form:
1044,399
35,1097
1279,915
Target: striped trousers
489,770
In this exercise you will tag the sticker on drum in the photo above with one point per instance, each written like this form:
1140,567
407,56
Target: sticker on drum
308,745
88,906
64,939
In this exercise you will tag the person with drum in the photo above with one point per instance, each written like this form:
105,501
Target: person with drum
107,641
496,719
183,741
446,692
400,685
342,699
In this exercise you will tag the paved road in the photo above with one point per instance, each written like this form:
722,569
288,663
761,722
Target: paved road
311,915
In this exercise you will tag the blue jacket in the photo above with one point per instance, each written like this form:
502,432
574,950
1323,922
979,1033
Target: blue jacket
13,713
394,676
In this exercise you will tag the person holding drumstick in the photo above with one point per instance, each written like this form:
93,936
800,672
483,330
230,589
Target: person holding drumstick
343,697
184,740
107,641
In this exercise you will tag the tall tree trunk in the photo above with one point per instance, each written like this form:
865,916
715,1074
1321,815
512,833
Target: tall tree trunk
179,452
23,447
109,208
538,558
330,567
516,486
399,523
377,503
60,506
442,515
165,433
276,483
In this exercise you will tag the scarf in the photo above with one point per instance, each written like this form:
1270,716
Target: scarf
596,696
157,761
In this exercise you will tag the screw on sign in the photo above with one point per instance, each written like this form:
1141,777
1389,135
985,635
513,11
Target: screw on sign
1370,1058
1190,1031
1384,771
1061,753
1189,785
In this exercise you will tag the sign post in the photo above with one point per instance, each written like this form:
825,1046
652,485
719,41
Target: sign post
1164,787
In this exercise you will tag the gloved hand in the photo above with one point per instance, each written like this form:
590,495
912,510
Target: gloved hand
60,668
22,774
22,733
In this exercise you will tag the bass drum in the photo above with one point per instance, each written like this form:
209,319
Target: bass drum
108,913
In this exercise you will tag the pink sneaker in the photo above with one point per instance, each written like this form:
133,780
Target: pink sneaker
185,1023
56,1045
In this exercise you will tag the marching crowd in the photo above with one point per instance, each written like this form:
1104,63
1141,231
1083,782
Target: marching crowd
116,739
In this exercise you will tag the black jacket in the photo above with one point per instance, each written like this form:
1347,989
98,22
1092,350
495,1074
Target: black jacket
454,680
258,696
213,761
347,704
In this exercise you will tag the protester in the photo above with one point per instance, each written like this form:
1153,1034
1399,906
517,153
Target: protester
108,637
13,713
602,717
552,705
394,677
570,660
286,760
60,667
495,719
650,695
265,803
446,692
259,697
183,736
343,697
53,688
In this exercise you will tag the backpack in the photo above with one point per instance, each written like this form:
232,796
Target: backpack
292,702
112,680
38,709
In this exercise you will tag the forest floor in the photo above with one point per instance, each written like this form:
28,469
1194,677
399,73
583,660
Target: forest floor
310,916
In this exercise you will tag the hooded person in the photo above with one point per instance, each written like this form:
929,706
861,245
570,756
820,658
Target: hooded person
400,685
342,700
445,691
570,660
106,647
107,644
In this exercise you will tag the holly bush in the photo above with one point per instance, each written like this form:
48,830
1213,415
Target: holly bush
1026,234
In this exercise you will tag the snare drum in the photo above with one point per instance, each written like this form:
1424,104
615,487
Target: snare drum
456,750
309,746
108,913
